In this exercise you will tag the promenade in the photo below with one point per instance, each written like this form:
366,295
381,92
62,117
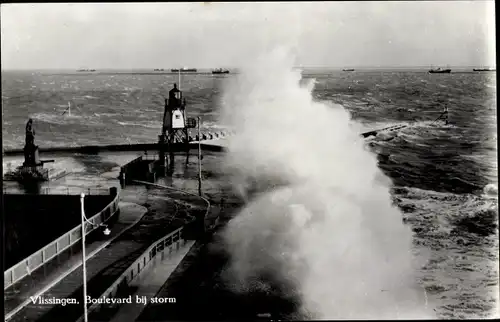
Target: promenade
110,258
39,281
149,283
17,297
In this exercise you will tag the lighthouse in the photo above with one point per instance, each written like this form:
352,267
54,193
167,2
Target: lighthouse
175,129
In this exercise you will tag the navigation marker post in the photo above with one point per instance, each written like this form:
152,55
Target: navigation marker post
179,79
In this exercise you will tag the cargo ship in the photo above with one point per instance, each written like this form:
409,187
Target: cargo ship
484,69
440,70
86,70
348,69
220,71
158,70
184,70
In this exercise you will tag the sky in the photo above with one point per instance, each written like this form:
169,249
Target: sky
209,35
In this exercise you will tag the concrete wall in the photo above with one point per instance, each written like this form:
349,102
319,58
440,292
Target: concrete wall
136,169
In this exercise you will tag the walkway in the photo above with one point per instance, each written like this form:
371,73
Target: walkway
150,282
164,215
18,295
203,294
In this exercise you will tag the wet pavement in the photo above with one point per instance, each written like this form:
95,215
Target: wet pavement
148,283
203,292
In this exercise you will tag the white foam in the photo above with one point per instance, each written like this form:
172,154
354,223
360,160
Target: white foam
343,245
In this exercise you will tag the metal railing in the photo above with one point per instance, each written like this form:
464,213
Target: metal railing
151,157
207,202
60,191
147,257
45,254
76,190
139,265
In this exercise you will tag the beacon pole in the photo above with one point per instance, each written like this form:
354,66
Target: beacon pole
84,265
199,156
179,79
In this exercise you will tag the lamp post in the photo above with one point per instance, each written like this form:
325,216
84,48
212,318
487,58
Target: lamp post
84,265
106,232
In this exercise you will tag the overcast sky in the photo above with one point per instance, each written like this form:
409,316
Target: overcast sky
206,35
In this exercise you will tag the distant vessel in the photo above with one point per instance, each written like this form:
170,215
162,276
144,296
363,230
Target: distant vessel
348,69
440,70
220,71
484,69
185,69
159,70
86,70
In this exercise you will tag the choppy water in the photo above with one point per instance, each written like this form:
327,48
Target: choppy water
445,177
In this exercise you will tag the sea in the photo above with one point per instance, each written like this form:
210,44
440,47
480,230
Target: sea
444,176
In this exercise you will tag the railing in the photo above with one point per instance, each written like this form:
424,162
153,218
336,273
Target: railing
389,128
178,190
61,190
139,265
146,258
151,157
42,256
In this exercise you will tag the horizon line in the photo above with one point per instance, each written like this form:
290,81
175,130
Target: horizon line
211,68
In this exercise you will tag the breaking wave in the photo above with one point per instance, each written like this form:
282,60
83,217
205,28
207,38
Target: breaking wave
319,218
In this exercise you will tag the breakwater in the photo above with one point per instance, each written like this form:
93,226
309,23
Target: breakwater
94,149
175,147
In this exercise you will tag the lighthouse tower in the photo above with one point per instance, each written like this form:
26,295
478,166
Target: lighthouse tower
175,129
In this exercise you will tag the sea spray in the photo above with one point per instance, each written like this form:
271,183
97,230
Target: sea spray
322,222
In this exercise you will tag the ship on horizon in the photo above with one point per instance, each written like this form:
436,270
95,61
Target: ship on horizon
348,69
184,69
440,70
484,69
158,70
85,70
220,71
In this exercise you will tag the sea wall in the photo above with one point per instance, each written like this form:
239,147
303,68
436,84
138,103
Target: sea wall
207,136
141,168
95,149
